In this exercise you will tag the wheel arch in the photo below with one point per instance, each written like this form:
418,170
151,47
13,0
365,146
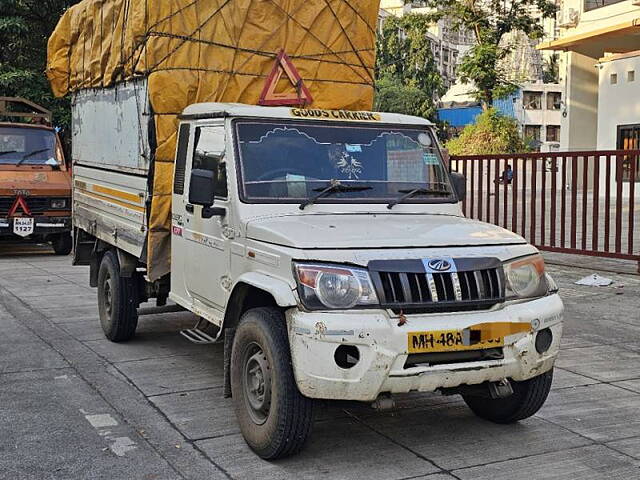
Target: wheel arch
252,290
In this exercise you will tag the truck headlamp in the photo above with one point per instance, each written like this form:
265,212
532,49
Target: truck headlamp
334,287
59,203
526,278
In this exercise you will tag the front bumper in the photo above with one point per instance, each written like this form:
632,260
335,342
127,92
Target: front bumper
43,226
382,344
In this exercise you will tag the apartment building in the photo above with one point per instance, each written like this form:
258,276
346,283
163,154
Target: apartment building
448,45
600,41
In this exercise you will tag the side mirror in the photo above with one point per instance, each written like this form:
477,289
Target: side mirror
201,188
459,185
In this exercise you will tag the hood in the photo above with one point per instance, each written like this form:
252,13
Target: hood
35,183
377,231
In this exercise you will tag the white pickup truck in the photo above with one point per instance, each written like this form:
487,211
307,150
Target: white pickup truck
329,250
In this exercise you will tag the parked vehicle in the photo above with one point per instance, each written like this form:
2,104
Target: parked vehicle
324,245
35,179
333,256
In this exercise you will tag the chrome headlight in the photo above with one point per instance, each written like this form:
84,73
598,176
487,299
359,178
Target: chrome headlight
323,287
526,278
59,203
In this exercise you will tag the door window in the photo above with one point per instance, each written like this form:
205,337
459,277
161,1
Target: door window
181,159
209,154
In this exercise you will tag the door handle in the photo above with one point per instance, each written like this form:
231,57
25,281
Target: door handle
189,208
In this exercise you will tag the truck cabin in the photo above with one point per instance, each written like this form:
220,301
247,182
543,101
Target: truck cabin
30,146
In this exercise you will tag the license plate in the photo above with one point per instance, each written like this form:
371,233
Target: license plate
446,341
23,226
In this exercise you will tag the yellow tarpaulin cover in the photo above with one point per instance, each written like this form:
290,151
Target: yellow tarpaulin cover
212,51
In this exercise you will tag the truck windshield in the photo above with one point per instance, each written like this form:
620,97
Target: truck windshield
27,146
295,162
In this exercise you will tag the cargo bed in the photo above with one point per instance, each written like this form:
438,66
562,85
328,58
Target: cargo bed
112,129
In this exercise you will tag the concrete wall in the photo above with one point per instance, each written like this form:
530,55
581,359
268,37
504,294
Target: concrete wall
618,104
600,18
579,128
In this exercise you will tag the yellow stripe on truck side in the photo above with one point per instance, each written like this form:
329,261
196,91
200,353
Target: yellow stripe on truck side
131,197
106,194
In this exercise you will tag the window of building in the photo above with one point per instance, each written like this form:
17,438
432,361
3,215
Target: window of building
554,100
532,132
532,136
631,76
593,4
532,100
553,133
629,139
614,78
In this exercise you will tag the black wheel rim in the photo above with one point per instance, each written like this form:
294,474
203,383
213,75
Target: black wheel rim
256,383
108,296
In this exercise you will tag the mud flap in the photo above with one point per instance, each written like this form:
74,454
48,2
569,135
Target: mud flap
229,334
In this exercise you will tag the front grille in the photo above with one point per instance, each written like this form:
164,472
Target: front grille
475,284
36,205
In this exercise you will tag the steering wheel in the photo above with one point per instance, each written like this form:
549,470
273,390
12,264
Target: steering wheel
281,172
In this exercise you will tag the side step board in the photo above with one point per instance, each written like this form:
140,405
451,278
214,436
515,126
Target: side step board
198,336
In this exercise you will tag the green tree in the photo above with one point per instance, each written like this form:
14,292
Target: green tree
25,26
492,133
551,73
490,21
408,78
393,96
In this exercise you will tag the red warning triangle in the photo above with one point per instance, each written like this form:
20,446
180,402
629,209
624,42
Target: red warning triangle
301,97
19,203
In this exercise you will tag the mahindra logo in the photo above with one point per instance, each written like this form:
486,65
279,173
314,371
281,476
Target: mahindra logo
439,265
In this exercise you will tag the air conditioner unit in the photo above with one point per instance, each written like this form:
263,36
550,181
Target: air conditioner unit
569,17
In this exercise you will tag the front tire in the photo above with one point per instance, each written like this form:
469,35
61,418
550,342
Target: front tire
117,300
274,417
528,397
62,244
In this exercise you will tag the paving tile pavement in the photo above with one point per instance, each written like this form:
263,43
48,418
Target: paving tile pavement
170,390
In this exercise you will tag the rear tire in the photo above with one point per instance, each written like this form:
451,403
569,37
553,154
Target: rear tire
274,417
62,243
117,300
528,397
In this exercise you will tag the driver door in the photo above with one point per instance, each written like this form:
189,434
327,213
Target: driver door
208,259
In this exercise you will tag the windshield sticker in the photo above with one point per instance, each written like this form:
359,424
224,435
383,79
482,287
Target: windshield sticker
349,166
336,115
354,148
430,159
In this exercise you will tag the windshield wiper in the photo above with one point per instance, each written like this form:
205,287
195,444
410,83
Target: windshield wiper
8,152
334,187
416,191
31,154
